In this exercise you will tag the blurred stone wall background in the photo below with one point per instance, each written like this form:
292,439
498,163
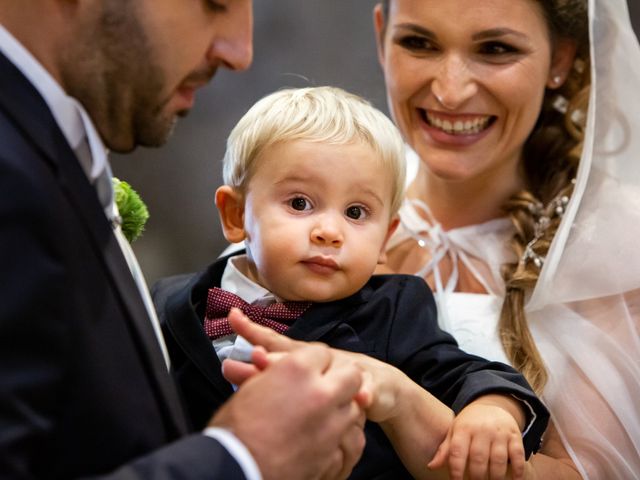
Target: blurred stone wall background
297,43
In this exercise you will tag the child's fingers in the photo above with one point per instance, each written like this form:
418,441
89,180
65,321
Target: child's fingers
442,454
237,372
260,358
516,457
498,461
478,450
459,452
364,398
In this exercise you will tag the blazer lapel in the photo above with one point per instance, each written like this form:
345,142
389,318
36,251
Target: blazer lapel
25,105
330,323
185,325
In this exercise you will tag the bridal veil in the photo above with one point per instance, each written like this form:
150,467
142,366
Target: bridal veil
585,310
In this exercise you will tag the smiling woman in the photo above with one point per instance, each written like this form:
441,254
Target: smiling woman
516,122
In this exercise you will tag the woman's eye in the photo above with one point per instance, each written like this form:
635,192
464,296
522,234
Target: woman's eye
355,213
299,204
215,6
497,48
416,43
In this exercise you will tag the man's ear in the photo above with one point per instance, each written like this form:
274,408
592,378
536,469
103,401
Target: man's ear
382,259
230,203
564,54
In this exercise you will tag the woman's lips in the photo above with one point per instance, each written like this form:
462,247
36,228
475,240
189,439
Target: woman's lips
455,129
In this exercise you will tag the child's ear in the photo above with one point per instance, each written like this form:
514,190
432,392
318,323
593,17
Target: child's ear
382,259
230,203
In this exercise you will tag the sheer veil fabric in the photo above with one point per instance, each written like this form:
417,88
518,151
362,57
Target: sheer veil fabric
585,310
584,313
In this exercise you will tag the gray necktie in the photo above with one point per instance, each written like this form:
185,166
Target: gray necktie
104,188
102,183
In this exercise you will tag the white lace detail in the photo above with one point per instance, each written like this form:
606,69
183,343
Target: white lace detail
480,248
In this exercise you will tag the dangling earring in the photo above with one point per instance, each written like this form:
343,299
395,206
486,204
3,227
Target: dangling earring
556,80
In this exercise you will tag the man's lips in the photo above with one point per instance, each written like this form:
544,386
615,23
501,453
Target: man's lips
186,91
184,98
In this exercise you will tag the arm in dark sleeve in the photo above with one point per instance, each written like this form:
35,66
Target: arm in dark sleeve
432,358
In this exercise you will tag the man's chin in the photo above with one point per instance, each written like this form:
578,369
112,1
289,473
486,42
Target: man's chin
155,134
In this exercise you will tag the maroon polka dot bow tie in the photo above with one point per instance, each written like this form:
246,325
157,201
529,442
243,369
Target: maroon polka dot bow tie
277,316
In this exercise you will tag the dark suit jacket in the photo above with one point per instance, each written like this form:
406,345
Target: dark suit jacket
83,385
393,318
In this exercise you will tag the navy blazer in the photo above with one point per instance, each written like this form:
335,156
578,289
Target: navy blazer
84,388
392,318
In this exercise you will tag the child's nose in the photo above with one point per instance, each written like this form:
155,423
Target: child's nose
327,232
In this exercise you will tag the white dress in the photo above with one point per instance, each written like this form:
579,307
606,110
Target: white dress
584,313
600,432
470,317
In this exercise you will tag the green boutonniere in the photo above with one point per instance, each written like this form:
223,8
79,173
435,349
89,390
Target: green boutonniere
133,211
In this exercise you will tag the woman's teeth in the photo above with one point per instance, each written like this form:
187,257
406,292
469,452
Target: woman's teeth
459,127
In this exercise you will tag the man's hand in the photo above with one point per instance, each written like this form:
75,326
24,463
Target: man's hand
297,415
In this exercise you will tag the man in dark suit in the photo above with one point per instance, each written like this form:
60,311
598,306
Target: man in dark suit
85,388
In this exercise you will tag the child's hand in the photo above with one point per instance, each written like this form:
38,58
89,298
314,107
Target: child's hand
484,439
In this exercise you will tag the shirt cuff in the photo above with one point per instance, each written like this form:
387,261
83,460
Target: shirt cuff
237,450
531,417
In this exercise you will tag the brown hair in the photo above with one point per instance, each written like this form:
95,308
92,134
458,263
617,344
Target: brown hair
551,156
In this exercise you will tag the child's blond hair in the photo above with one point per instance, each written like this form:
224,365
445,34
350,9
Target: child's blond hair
316,114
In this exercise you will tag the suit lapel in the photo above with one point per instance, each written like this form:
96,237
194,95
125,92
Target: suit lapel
325,322
30,113
330,323
185,324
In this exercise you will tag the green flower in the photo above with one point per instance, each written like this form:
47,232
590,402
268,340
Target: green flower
132,209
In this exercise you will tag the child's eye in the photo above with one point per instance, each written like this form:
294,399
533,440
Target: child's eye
299,203
355,212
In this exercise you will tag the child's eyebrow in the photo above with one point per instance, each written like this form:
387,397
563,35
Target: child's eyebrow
293,178
374,194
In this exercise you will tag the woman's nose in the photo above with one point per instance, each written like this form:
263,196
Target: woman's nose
454,83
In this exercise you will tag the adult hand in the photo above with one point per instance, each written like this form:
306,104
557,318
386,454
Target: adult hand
297,416
414,420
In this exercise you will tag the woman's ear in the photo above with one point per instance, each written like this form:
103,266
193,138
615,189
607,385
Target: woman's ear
379,24
564,54
230,203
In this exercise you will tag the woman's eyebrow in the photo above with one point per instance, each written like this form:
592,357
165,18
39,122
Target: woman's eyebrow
498,32
416,29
